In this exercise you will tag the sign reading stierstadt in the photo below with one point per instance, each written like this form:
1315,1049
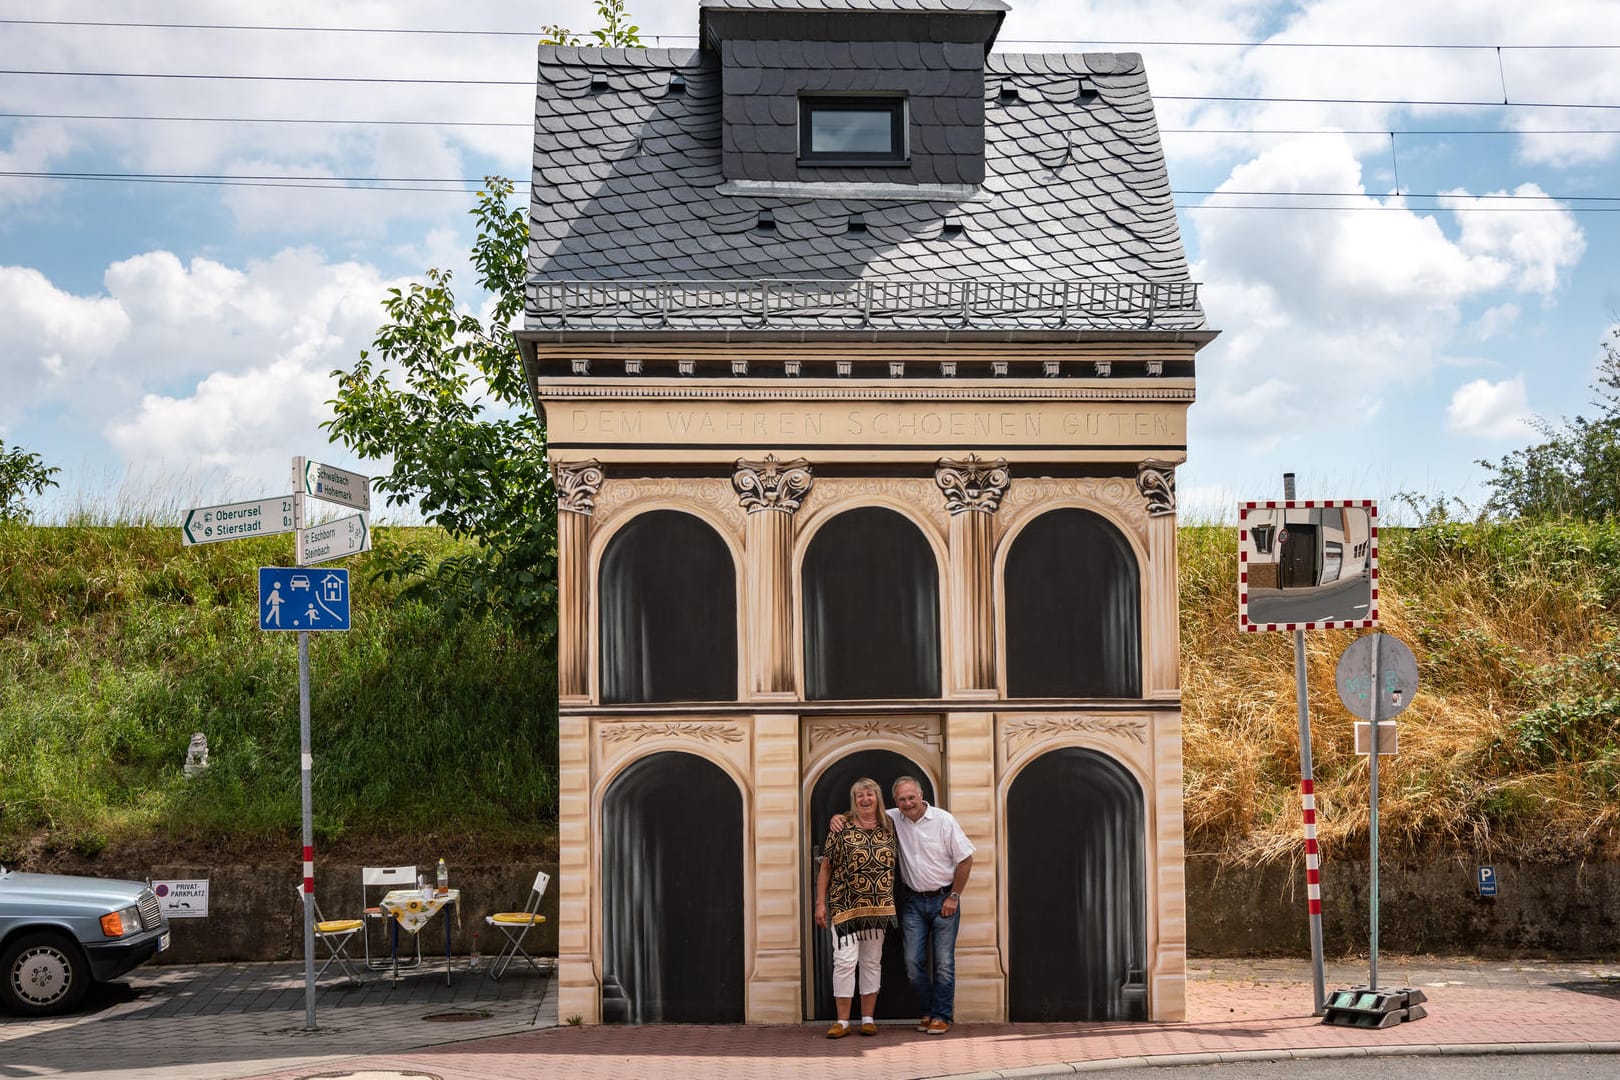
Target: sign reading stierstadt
236,521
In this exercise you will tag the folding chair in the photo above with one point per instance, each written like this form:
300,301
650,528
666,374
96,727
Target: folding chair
383,879
334,934
516,926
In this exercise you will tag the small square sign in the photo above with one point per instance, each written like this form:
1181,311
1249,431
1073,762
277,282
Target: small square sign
182,899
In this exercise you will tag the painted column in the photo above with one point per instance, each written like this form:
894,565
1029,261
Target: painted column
970,794
1161,662
1167,986
771,492
973,490
774,993
579,985
576,485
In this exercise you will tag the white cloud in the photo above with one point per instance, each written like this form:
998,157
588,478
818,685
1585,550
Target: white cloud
1490,410
1494,320
49,338
1538,239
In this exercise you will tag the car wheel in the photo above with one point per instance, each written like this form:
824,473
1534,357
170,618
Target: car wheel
44,973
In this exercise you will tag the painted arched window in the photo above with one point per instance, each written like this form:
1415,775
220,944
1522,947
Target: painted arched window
1074,625
871,609
668,613
672,893
1076,891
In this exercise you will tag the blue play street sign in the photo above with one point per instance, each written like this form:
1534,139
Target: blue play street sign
303,598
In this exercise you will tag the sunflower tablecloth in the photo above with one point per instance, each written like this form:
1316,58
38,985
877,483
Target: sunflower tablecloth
413,909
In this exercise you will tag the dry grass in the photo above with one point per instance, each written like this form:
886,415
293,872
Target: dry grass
1510,749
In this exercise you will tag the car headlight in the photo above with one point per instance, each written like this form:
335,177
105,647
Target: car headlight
121,922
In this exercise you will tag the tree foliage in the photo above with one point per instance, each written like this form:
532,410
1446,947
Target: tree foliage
616,31
1575,470
21,474
442,393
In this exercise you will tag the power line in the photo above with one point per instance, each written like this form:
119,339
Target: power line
460,185
365,122
446,32
528,83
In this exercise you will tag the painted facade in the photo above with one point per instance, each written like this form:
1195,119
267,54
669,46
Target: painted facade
843,493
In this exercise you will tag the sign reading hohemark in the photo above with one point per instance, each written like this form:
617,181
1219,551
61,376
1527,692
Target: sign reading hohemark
235,521
335,485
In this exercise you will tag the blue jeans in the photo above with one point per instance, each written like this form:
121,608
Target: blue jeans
923,930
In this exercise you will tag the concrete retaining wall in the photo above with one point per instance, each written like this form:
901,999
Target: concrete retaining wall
1564,910
1559,910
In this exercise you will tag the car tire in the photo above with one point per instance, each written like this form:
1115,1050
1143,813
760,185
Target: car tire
42,973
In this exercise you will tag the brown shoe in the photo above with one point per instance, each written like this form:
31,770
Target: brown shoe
922,1025
936,1026
838,1031
868,1028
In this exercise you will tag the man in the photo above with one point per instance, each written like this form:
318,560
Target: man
936,858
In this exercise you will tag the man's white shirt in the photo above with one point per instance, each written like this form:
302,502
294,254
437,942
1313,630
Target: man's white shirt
930,848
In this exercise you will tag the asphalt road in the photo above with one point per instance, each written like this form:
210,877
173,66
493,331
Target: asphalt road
1383,1067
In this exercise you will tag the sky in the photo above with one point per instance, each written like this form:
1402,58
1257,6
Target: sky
1405,271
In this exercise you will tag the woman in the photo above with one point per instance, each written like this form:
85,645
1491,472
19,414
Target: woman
856,881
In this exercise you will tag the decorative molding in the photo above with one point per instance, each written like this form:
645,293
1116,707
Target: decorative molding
915,493
634,733
868,729
576,484
1021,730
972,484
772,484
1156,480
709,493
628,390
1115,493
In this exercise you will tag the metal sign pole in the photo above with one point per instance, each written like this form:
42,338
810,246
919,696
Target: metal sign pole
1372,826
1307,795
305,764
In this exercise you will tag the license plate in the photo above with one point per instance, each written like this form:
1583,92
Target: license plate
163,942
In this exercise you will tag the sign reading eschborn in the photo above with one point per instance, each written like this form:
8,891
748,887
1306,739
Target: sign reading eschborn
334,539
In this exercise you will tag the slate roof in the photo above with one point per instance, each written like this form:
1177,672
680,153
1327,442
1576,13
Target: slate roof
628,185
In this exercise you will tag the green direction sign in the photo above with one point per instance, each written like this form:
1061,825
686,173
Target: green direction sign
234,521
334,539
335,485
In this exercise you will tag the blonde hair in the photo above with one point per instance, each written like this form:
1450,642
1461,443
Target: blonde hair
853,813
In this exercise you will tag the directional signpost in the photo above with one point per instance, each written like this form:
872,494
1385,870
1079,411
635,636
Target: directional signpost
299,598
333,540
237,521
335,485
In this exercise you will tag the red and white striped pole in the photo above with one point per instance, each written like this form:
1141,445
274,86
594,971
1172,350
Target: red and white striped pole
1307,789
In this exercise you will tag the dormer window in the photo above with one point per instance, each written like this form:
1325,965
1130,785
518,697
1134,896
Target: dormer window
852,130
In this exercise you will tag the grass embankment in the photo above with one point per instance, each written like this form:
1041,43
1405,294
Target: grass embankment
116,644
1510,749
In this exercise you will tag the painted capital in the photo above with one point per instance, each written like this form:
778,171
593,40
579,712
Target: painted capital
972,484
772,484
577,485
1156,480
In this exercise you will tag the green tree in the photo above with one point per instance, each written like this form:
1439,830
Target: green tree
21,474
1575,470
443,394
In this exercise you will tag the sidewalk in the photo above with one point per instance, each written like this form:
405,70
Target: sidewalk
225,1021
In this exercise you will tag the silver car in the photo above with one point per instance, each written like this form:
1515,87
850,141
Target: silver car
58,934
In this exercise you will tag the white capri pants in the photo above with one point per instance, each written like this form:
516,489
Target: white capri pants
867,953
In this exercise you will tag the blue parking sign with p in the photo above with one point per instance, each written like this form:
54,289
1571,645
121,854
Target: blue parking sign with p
303,598
1487,881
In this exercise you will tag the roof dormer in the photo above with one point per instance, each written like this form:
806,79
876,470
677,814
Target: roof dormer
855,91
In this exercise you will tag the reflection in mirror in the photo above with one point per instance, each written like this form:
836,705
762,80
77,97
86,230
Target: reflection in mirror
1308,565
